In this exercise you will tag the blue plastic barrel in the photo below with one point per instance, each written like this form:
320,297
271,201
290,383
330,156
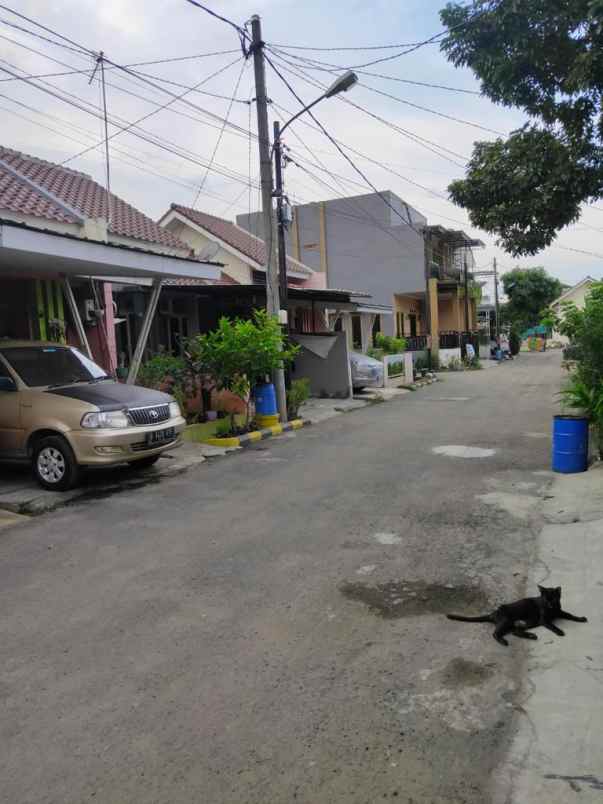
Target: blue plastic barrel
265,399
570,444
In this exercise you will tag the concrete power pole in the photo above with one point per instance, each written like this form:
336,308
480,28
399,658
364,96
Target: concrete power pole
272,277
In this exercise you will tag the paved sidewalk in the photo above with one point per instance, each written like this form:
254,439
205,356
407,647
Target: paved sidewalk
556,756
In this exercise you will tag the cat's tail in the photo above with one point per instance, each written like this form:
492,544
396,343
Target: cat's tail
484,618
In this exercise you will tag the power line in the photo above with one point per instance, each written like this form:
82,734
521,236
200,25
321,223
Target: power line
134,64
148,137
328,67
239,130
14,25
340,149
419,140
358,47
48,30
221,134
139,162
150,114
579,251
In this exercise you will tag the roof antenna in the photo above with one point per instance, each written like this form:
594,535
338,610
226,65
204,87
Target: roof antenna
100,62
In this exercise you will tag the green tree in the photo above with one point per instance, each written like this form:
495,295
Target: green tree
584,328
240,354
529,291
544,57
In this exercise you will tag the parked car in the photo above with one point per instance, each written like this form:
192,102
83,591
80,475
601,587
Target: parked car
366,371
62,413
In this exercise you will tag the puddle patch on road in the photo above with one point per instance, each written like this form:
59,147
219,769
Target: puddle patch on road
395,599
520,506
464,673
387,538
460,451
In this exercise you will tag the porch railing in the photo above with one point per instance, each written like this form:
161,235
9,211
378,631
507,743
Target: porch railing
455,340
415,343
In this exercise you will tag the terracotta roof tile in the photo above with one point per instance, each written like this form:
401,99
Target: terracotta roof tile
78,191
235,236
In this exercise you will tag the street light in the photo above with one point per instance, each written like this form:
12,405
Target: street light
341,84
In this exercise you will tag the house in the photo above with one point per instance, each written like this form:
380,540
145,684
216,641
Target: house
576,294
64,243
243,257
242,254
379,243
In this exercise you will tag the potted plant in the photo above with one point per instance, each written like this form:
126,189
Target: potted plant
239,355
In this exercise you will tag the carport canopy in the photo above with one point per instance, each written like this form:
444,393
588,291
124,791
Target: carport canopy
26,253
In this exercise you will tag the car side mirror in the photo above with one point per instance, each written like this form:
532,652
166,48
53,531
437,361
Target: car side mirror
7,384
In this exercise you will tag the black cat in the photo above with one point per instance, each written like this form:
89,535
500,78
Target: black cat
516,618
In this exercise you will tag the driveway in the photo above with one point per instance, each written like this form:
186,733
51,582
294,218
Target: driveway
269,628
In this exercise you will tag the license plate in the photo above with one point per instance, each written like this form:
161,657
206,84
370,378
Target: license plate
161,436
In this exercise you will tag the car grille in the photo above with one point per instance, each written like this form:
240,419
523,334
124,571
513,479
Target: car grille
154,414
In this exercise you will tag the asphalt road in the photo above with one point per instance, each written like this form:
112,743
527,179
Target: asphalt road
269,627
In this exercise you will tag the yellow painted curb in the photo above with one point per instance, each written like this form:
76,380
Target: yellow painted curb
276,430
255,435
266,421
223,442
296,424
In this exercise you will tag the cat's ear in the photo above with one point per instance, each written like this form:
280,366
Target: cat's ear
541,589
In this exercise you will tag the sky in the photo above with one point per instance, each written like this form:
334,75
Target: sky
417,161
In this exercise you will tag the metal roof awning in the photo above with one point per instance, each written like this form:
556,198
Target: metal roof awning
26,252
375,309
454,237
326,296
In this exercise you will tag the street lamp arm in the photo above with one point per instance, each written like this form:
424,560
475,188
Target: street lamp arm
302,111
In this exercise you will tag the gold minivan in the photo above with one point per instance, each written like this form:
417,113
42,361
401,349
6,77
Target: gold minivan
62,412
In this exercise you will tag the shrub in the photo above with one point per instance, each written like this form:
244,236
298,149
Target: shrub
240,354
454,364
389,345
297,395
224,427
155,371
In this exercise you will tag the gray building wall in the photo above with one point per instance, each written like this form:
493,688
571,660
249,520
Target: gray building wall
368,247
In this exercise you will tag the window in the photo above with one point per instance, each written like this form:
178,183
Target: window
356,332
399,325
412,320
44,365
376,327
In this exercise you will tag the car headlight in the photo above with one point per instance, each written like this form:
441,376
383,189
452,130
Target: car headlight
175,410
105,419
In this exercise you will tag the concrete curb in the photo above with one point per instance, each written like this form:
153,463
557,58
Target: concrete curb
257,435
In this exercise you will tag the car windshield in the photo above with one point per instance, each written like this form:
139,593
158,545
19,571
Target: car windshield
52,365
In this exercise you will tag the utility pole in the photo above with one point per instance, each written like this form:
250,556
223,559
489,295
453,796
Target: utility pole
496,307
272,289
466,298
282,253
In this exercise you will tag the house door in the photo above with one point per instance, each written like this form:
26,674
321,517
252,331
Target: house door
412,320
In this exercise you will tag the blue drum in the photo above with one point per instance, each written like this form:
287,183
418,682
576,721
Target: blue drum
570,444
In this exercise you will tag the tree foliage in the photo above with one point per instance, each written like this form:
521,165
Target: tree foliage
584,328
529,291
240,354
544,57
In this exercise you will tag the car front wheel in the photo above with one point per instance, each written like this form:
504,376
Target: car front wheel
54,464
